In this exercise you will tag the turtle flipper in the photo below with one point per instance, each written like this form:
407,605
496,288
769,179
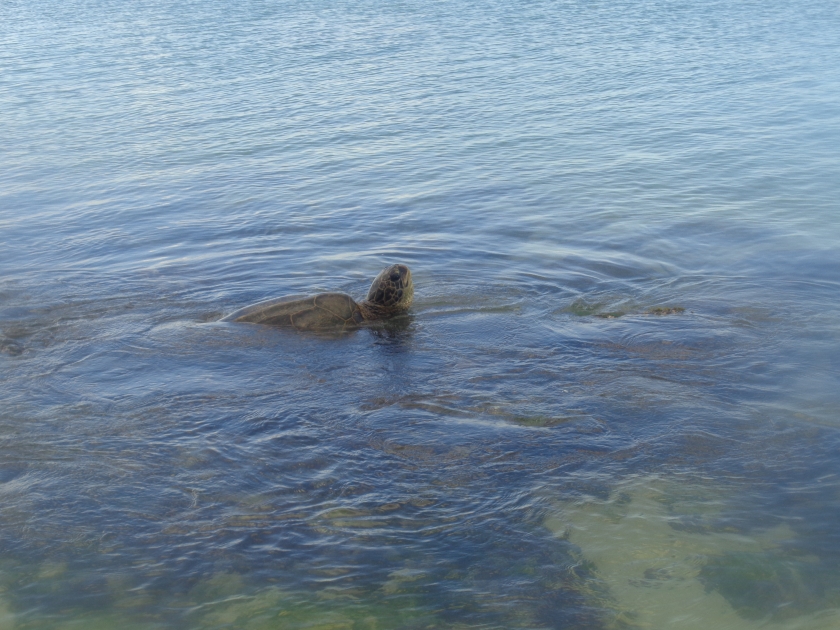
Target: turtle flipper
315,318
328,310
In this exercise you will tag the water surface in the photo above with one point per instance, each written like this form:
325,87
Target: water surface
533,446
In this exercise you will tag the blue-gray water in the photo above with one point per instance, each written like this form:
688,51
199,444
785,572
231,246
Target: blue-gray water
531,447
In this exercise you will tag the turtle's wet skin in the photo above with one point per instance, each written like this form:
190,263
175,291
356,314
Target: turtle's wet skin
390,294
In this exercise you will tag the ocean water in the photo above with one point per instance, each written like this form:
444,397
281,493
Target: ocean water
615,402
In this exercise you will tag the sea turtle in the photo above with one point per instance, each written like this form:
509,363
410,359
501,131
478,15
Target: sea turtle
390,294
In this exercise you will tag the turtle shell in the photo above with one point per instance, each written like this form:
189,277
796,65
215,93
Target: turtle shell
325,310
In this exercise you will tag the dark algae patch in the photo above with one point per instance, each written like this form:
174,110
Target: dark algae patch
666,310
609,309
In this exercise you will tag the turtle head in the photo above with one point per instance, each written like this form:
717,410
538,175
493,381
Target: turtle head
392,290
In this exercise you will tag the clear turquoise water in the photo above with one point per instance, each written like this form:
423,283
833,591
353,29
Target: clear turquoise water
530,447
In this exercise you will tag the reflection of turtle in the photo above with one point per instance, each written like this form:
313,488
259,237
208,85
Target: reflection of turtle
390,294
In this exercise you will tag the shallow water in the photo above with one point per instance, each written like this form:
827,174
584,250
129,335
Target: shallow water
533,446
